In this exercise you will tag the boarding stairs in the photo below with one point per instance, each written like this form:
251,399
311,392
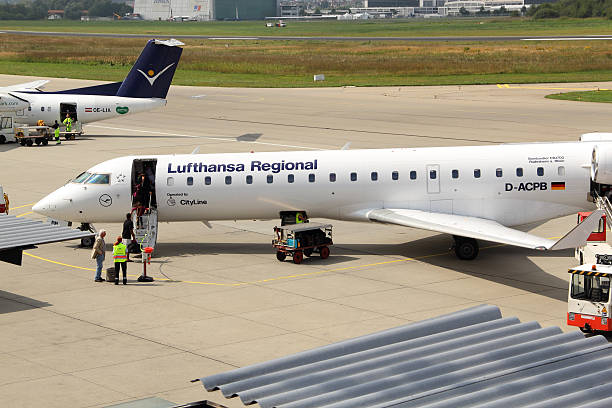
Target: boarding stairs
145,228
603,203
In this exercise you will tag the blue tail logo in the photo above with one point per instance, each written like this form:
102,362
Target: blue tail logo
157,64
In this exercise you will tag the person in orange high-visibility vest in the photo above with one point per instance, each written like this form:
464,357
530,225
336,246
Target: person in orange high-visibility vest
120,258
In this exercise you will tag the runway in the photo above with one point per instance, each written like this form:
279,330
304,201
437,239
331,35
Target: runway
221,299
324,38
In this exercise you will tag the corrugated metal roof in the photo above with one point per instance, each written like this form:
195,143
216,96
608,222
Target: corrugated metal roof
18,232
472,358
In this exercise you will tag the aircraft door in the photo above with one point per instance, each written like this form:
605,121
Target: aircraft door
143,183
433,178
70,108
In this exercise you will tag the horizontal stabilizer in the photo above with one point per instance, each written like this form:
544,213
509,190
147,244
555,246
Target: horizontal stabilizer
27,86
483,229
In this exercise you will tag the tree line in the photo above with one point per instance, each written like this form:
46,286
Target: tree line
73,9
572,8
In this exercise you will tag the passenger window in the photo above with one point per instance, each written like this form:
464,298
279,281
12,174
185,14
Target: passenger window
561,171
311,178
190,181
433,174
395,175
29,109
353,176
413,175
455,174
270,179
42,108
290,178
519,172
170,181
332,177
499,172
99,179
374,176
228,180
540,171
249,179
207,180
476,173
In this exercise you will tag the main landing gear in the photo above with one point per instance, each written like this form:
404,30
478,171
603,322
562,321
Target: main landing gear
465,248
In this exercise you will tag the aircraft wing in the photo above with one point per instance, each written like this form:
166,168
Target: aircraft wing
28,86
480,228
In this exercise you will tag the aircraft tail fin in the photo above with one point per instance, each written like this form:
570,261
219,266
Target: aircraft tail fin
151,75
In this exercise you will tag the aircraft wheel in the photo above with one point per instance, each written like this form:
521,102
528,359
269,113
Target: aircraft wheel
298,257
29,142
324,252
280,255
466,248
87,242
308,252
2,139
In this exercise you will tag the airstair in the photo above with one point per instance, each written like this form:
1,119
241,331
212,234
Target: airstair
603,203
145,228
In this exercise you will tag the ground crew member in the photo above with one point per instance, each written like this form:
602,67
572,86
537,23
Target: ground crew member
6,202
120,258
56,132
128,233
68,123
98,253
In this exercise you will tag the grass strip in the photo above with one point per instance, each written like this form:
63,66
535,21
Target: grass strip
223,79
584,96
499,26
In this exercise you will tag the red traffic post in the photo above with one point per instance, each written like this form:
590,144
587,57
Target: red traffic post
146,258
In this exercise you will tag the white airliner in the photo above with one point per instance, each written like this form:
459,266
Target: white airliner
472,193
144,88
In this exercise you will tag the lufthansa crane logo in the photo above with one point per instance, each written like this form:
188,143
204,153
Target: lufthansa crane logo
151,76
105,200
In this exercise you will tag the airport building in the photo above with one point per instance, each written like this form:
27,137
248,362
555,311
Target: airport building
206,10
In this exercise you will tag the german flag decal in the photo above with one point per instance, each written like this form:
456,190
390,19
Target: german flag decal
557,185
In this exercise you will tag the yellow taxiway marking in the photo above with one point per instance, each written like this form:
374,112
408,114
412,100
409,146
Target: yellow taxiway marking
507,86
21,206
28,213
300,275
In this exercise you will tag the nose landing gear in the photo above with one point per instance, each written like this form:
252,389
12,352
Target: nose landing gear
87,242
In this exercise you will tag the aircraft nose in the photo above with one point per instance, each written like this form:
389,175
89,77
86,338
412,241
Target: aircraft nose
41,207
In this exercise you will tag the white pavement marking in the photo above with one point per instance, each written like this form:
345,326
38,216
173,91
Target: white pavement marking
221,139
234,38
567,39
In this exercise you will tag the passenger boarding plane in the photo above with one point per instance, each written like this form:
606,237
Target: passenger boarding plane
144,88
474,192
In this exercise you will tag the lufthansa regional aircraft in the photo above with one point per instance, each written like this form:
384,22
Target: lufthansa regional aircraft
473,193
144,88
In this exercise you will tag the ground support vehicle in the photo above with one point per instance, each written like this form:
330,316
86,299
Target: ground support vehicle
28,135
7,129
596,243
297,240
589,296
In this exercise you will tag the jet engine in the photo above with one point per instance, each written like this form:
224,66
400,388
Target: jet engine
12,103
601,164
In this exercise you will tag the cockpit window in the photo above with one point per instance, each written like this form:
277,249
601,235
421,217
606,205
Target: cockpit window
81,177
99,179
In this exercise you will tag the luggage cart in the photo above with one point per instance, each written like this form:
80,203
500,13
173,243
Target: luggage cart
298,240
28,135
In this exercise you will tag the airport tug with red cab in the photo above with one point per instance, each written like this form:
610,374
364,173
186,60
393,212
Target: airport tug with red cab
589,301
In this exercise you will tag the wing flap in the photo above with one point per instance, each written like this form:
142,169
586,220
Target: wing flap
483,229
